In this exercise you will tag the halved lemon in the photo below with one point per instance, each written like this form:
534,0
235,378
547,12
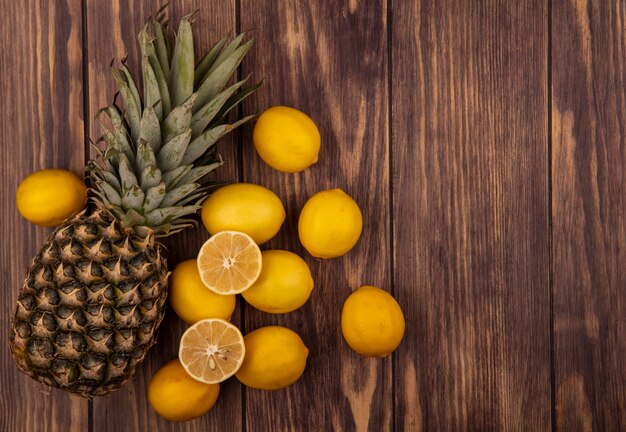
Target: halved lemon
229,262
211,350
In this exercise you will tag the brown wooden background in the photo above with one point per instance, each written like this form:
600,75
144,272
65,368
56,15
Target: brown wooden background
486,144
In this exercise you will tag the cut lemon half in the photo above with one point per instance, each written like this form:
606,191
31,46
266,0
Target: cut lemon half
211,350
229,262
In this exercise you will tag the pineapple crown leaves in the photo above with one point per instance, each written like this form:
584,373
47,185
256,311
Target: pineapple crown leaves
160,145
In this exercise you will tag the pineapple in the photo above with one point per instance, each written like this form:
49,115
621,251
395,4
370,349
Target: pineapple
94,295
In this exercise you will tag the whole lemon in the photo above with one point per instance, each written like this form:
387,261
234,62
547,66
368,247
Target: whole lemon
275,358
244,207
286,139
176,396
50,196
330,224
191,300
284,285
372,322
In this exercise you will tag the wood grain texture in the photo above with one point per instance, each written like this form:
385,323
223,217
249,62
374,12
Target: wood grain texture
328,59
462,232
113,28
589,213
470,207
41,126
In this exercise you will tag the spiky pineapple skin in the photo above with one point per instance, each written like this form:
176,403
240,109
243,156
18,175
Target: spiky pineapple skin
89,308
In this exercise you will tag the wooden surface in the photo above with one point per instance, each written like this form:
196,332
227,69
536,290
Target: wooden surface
589,214
42,126
485,143
469,149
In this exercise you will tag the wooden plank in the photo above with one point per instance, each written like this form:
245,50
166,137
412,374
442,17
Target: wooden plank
588,213
41,127
113,28
328,59
470,205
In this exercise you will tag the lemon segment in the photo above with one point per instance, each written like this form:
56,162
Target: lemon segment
229,262
275,358
286,139
284,285
176,396
244,207
330,224
211,350
50,196
372,322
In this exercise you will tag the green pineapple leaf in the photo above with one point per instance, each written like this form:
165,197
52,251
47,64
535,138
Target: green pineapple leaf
172,177
202,117
133,198
233,101
178,120
150,129
171,154
225,54
132,108
154,197
174,196
217,78
182,72
161,47
208,60
150,177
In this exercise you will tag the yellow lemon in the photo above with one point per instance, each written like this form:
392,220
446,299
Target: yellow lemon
176,396
50,196
244,207
275,358
286,139
192,300
330,224
372,322
284,285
